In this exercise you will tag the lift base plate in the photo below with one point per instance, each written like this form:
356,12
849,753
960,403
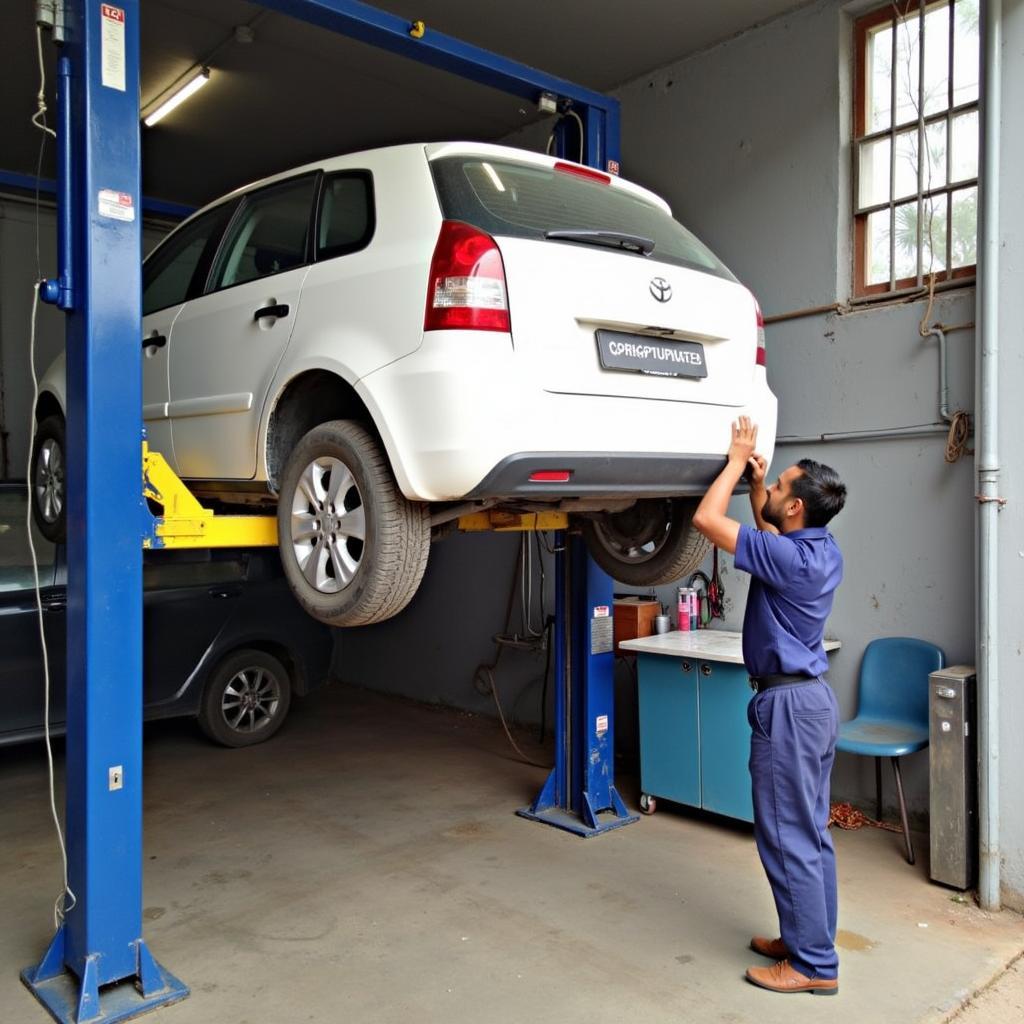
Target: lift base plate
74,1000
560,818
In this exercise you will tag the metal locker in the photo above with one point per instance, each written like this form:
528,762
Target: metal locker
953,771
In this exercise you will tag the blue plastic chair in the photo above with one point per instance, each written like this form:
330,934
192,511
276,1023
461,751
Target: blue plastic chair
892,710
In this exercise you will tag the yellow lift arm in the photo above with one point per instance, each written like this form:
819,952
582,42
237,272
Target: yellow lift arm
185,523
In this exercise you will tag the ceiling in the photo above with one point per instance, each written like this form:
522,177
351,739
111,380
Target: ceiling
296,93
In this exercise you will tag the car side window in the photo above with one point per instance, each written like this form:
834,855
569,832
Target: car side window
346,214
176,270
270,234
15,556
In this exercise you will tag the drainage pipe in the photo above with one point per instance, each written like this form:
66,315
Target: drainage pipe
987,460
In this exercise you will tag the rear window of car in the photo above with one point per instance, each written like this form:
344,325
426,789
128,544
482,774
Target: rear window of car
525,201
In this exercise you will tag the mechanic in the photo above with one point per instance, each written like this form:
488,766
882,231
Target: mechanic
795,567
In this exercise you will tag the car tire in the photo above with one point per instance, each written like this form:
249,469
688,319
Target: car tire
246,700
338,576
649,544
49,494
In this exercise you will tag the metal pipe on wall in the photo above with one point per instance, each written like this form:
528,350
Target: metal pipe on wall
938,332
883,433
987,462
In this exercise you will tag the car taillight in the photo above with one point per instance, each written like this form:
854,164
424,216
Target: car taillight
466,288
760,334
584,172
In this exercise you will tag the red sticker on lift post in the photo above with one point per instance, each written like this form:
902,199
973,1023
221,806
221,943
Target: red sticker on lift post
112,57
116,205
601,610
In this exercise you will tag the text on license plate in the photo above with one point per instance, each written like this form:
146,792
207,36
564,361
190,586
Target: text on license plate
640,354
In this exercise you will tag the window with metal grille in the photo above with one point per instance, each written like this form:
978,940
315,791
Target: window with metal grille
916,145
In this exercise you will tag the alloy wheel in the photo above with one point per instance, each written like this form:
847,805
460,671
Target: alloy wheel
328,525
49,481
251,699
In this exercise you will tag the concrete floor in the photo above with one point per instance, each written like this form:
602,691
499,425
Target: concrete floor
366,866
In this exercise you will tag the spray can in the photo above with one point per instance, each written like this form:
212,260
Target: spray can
683,609
694,607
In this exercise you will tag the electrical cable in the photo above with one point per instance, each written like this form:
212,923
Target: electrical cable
579,121
485,672
959,431
66,901
551,137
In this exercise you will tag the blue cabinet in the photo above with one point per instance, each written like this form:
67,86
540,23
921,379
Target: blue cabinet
669,750
694,735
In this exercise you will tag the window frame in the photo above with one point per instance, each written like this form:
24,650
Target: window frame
244,201
197,283
895,286
333,252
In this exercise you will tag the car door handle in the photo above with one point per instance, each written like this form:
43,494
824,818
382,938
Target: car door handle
55,604
154,341
222,593
277,311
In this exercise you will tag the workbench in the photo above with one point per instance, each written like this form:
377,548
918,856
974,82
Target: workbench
693,692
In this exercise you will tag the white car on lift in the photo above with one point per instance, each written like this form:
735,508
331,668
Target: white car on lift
380,342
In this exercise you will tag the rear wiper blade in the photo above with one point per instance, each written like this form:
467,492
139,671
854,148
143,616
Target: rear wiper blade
611,239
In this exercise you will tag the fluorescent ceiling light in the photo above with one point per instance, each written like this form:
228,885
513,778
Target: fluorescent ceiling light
190,86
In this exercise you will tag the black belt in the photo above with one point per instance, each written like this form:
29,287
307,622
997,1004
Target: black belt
759,683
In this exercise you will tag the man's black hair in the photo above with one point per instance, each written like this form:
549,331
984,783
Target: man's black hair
821,491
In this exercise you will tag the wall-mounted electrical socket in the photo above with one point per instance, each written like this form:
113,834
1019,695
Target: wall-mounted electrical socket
116,777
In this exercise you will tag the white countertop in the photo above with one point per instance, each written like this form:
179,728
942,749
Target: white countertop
710,644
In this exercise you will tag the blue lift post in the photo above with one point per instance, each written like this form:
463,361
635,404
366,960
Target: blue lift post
100,944
579,794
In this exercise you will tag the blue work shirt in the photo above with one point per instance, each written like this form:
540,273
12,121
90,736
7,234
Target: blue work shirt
794,576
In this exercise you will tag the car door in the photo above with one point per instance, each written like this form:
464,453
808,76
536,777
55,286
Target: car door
228,343
21,664
175,271
188,596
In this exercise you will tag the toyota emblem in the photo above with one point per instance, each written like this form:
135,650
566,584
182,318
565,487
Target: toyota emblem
661,289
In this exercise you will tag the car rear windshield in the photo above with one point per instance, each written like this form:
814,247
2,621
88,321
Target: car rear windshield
526,201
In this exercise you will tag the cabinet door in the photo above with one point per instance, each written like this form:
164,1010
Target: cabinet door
725,740
669,745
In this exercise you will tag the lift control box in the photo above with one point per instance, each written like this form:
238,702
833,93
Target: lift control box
953,775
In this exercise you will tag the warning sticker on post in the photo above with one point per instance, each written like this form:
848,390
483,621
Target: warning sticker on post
112,47
116,205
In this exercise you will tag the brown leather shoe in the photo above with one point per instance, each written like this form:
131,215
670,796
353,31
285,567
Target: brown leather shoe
782,977
774,949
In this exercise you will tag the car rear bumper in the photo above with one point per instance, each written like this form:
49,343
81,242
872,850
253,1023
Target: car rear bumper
463,417
600,474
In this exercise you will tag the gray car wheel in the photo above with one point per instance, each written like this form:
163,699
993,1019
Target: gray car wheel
354,550
48,490
246,699
651,543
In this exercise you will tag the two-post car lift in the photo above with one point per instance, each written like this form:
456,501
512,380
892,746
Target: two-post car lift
98,967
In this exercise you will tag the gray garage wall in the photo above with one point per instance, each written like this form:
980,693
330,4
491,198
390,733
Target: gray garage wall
749,142
18,272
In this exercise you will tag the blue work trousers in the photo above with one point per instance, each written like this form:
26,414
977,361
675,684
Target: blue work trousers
792,747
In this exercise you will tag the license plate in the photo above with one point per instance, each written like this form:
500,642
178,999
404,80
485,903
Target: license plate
639,354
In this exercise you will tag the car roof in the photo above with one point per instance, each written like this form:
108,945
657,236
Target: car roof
432,151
